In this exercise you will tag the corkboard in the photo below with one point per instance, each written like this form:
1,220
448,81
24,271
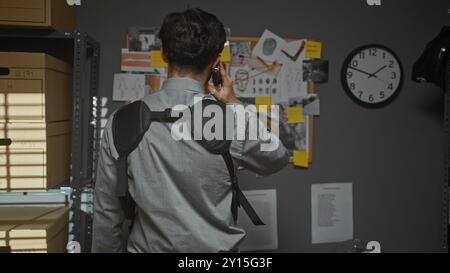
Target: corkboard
254,40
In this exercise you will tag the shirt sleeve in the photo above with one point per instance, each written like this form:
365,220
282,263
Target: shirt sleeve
108,215
250,154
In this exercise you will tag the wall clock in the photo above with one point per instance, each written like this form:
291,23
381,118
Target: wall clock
372,75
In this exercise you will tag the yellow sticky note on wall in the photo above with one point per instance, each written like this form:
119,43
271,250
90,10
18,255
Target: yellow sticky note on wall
225,56
301,159
263,101
295,115
313,50
157,60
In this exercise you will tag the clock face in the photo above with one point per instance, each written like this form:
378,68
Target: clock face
372,75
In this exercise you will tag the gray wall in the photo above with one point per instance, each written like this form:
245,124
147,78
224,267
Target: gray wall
394,155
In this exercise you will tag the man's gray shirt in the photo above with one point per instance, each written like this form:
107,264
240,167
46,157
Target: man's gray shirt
182,192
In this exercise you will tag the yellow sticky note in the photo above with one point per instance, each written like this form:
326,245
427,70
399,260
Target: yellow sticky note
262,101
313,50
225,56
295,115
157,60
301,159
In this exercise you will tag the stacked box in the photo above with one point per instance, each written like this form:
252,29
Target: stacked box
52,14
35,127
34,229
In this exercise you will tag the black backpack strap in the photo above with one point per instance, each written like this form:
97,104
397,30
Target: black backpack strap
163,116
126,200
239,198
130,123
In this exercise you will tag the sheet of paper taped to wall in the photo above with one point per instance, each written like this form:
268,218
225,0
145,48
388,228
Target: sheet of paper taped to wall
331,212
260,237
128,87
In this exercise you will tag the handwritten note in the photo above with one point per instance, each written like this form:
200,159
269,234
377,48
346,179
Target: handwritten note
225,56
313,50
157,60
295,115
301,159
262,104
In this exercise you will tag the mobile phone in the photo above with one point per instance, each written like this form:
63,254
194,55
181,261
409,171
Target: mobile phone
216,76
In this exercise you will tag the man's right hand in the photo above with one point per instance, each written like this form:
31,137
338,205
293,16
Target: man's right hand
226,93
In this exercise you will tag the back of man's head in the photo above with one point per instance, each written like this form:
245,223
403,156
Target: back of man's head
192,39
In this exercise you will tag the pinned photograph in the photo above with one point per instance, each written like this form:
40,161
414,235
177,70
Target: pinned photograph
315,71
155,80
311,105
143,39
294,136
269,47
241,53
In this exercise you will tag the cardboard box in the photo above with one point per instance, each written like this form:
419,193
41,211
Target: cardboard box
53,14
34,229
34,87
38,157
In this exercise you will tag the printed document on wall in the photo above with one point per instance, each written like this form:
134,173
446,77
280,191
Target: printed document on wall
332,212
260,237
128,87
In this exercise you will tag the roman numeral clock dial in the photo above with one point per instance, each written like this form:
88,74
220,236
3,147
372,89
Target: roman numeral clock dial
372,75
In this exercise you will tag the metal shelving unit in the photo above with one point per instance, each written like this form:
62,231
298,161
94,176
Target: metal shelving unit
83,53
446,184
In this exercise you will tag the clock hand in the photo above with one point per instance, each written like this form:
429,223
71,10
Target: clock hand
359,70
376,72
383,81
364,72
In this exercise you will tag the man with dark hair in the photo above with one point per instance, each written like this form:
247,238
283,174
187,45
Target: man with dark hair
182,192
200,37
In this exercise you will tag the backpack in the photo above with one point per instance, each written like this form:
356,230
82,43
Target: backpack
131,122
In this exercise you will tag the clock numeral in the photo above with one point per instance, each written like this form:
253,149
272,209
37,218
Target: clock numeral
362,55
391,86
355,63
373,52
352,86
360,93
391,64
382,95
349,74
371,98
394,76
384,55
